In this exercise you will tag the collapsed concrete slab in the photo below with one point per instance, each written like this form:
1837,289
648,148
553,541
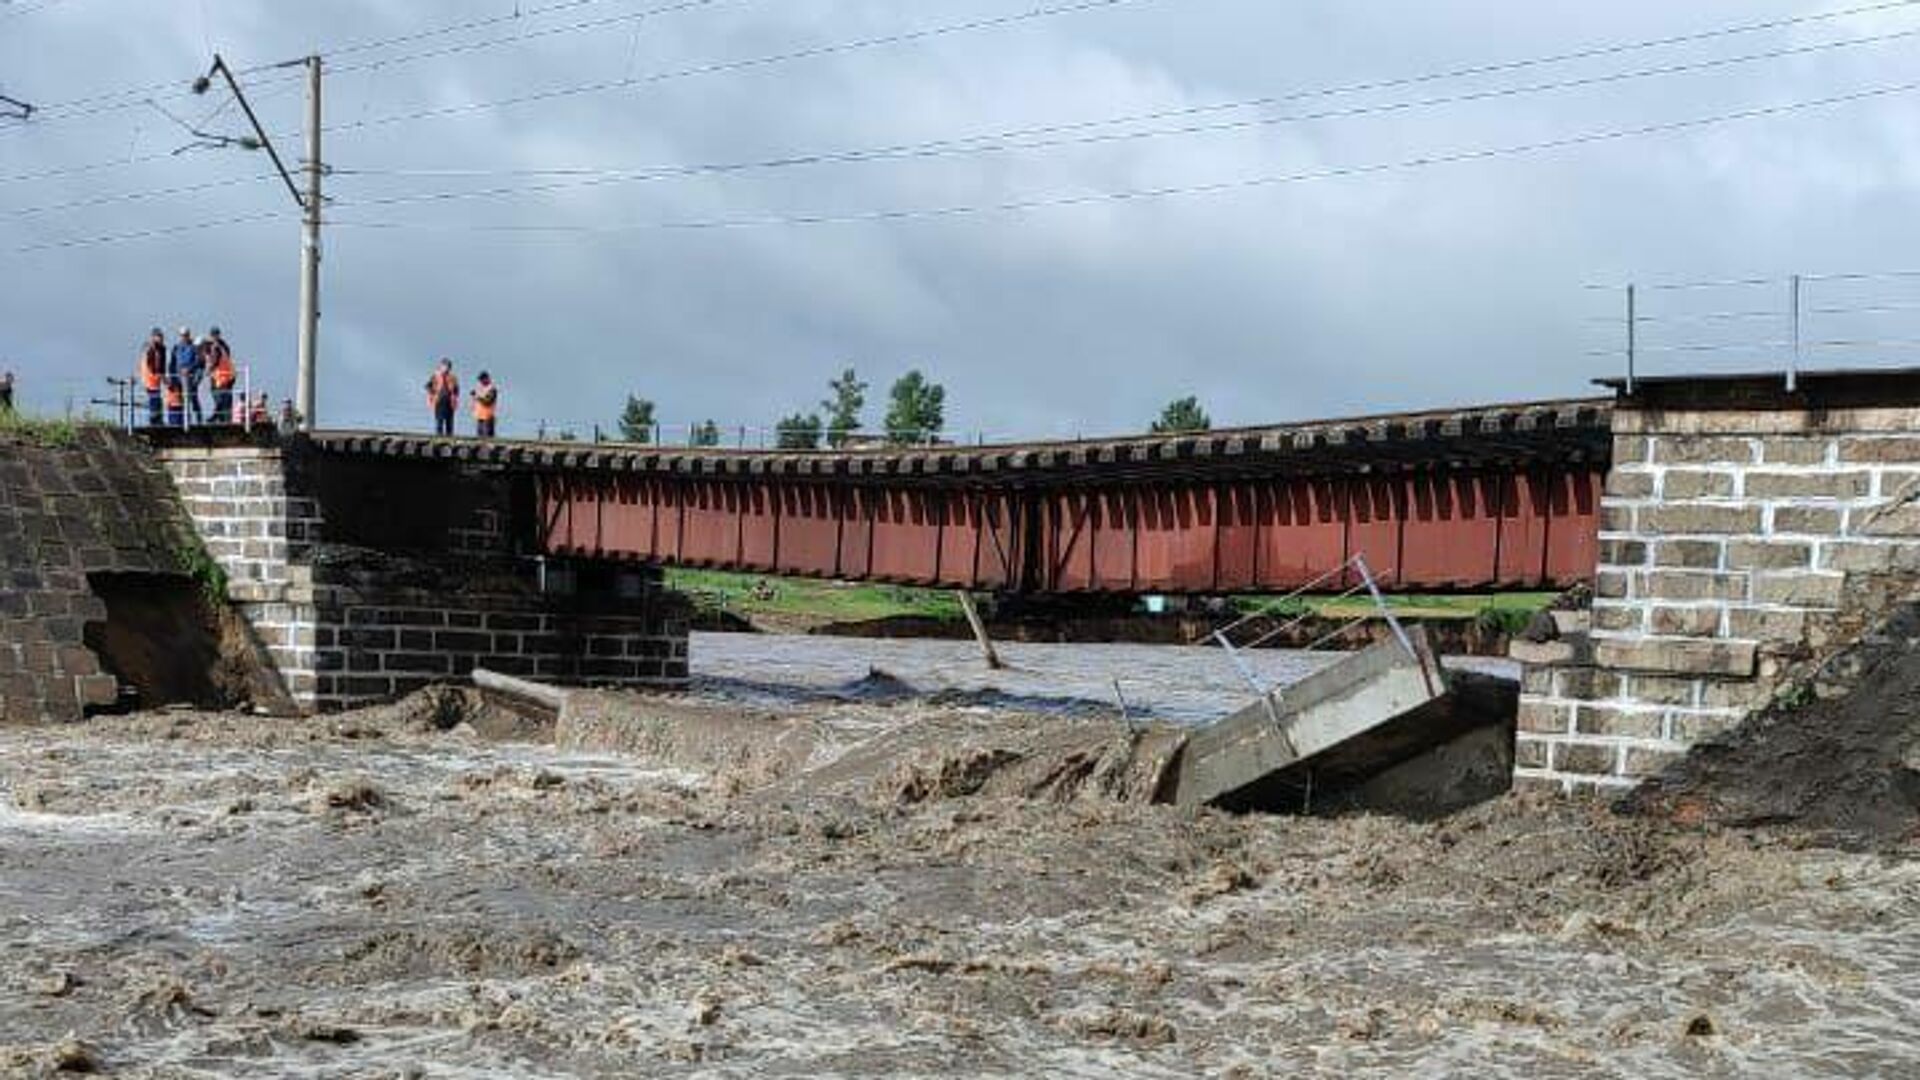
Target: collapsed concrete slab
1384,729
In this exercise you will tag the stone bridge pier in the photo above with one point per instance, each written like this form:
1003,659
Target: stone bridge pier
363,581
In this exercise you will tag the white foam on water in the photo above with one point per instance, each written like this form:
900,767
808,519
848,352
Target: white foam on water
43,825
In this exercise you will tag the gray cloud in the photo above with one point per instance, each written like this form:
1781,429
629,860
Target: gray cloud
1452,284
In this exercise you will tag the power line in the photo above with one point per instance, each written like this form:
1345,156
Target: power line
92,166
976,144
1134,195
980,144
139,93
525,36
517,15
718,67
148,234
135,196
1293,96
964,141
630,80
1217,187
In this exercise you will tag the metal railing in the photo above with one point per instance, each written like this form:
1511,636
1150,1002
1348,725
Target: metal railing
1798,319
1368,584
134,407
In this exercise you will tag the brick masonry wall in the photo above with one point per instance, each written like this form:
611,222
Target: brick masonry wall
237,498
1738,549
380,643
97,506
346,625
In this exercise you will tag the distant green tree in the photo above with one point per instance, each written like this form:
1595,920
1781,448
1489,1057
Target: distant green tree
848,397
636,422
707,434
798,432
1184,414
918,409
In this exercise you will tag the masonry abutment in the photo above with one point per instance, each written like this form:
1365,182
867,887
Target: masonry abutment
362,583
1746,535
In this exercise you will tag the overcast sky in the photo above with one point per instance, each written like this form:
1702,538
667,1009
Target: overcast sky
1397,288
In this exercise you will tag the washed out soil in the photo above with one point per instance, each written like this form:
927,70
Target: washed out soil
683,886
1839,760
168,646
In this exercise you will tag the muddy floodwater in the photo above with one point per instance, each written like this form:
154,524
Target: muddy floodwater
756,882
1178,684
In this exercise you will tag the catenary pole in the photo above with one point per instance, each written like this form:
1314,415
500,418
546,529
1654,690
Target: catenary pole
310,203
310,254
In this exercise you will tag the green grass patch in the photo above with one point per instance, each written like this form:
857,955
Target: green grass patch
754,595
53,432
196,563
1507,610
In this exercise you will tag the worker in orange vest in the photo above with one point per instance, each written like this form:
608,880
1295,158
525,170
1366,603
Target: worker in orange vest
443,397
176,402
152,374
219,359
486,406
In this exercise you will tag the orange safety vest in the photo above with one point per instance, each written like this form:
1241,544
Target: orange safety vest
176,398
223,374
153,365
486,401
440,386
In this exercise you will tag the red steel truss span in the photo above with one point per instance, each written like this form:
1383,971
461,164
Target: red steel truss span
1503,496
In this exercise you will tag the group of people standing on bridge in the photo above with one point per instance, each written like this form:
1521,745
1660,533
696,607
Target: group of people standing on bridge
443,400
172,378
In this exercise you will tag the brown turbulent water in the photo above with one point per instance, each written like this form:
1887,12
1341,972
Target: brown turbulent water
705,887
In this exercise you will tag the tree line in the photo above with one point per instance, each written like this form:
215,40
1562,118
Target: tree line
916,415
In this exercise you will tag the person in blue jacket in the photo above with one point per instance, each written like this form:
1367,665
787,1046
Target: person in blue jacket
189,364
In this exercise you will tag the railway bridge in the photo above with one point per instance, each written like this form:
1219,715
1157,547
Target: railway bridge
1503,496
1740,532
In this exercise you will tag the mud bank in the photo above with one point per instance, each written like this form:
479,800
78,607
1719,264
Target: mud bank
859,889
1837,756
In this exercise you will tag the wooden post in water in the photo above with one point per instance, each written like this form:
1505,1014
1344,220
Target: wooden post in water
979,630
